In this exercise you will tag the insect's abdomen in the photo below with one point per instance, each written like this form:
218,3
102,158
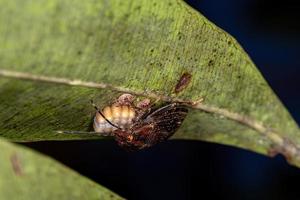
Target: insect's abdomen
121,116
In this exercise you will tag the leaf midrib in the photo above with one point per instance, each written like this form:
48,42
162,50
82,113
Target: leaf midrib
283,145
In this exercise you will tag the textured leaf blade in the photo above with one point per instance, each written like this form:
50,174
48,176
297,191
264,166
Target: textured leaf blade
137,46
25,174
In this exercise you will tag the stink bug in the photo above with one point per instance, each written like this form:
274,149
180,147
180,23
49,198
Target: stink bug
137,127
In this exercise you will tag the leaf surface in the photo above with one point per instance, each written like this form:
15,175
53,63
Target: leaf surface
25,174
141,47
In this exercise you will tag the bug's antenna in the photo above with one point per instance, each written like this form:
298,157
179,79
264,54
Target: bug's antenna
98,110
85,132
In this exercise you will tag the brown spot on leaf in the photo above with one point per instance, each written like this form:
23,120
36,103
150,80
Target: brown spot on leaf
273,151
210,63
288,149
183,82
16,164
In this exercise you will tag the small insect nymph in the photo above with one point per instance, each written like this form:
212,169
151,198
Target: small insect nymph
183,82
137,126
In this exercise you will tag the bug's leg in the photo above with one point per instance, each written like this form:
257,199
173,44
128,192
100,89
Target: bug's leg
197,101
191,103
144,107
85,132
146,104
143,104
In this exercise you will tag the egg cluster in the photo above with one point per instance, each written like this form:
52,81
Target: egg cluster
121,116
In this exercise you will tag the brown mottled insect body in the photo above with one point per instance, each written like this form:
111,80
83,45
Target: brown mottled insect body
137,126
152,128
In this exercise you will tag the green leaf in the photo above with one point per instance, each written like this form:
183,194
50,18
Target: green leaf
141,47
25,174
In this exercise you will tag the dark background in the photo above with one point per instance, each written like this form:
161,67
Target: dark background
269,32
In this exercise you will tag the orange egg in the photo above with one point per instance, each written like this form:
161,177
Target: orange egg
121,116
